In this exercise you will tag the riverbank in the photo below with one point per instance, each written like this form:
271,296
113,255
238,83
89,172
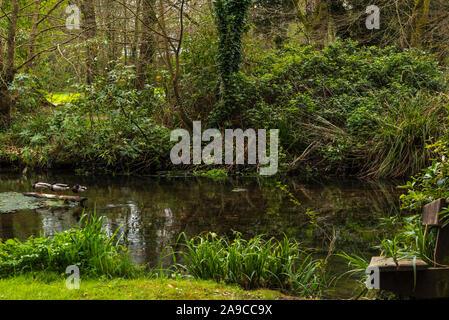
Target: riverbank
53,287
156,210
373,121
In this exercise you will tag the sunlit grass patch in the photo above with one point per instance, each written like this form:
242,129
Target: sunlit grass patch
45,286
62,97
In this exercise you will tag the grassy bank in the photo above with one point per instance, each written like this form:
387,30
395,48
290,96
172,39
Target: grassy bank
41,287
36,268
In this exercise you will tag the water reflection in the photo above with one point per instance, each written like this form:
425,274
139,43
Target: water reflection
56,220
154,211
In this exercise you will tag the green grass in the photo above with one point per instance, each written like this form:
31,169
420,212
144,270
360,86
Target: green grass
41,288
35,268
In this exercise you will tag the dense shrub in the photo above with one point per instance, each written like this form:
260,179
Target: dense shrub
339,100
87,247
432,183
345,109
110,127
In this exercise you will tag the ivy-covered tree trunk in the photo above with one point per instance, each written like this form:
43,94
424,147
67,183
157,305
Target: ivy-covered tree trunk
230,19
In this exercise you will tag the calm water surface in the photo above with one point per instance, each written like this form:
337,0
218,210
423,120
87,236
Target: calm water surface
155,210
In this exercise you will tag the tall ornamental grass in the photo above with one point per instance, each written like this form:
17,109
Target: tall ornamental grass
254,263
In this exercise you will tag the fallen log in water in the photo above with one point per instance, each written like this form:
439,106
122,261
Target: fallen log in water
78,199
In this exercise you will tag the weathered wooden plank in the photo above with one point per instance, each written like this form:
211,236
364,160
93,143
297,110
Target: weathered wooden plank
431,212
427,283
77,199
388,264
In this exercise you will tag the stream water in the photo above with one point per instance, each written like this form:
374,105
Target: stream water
155,210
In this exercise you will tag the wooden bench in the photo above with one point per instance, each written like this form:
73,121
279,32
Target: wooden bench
417,279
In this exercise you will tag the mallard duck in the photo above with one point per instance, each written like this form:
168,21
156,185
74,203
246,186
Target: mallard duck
77,188
41,185
59,187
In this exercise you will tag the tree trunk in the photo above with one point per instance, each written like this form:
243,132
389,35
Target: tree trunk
314,15
1,44
125,36
147,43
420,19
33,31
174,70
5,106
90,26
80,200
136,34
111,32
8,69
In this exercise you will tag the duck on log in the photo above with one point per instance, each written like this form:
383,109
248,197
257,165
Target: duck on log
77,199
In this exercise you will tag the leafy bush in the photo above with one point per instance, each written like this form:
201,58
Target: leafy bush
28,92
344,103
110,127
87,247
199,80
432,183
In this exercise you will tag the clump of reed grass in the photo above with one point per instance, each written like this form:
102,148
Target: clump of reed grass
399,147
254,263
88,246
